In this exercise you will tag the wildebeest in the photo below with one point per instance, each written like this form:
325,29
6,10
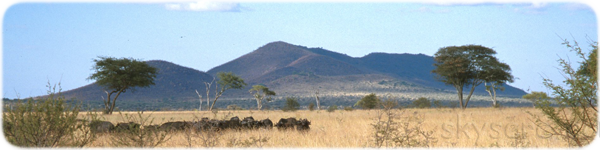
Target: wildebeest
284,124
175,126
302,125
101,126
127,126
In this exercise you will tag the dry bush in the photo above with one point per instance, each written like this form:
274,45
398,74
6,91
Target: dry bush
139,136
47,122
405,133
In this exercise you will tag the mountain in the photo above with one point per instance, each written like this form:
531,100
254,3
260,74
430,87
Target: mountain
292,70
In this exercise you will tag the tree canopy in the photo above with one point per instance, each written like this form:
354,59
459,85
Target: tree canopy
227,80
118,75
368,102
469,66
260,92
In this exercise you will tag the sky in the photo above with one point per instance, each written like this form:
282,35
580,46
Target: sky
56,42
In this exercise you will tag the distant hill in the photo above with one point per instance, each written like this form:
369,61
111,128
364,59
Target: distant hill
292,70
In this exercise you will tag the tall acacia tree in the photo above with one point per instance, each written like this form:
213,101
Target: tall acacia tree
227,80
117,75
261,92
468,66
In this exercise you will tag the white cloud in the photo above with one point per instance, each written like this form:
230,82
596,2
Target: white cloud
593,6
193,5
530,4
205,6
454,2
538,5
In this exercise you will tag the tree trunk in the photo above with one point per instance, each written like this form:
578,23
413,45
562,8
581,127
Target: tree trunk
112,108
200,97
107,102
259,103
459,91
215,101
469,97
318,100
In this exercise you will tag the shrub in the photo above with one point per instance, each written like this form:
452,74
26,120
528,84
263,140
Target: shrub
368,102
392,130
311,106
136,135
438,104
47,122
348,108
422,102
291,104
234,107
332,108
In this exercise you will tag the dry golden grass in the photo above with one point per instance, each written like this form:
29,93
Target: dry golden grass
477,127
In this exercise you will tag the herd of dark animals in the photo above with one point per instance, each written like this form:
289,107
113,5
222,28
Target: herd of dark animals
206,125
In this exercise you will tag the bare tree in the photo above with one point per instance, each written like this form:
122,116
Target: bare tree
200,97
207,85
317,98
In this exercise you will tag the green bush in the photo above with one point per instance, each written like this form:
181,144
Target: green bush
348,108
368,102
46,122
291,104
311,106
422,102
438,104
332,108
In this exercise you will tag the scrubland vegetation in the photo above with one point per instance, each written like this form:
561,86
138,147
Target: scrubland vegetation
472,127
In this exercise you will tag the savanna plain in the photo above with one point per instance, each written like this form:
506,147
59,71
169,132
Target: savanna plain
447,127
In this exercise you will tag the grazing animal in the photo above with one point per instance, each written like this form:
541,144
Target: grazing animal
101,126
266,123
151,127
235,123
127,126
201,125
284,124
303,125
248,123
177,125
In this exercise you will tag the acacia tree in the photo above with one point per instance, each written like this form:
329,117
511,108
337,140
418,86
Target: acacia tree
368,102
496,75
227,80
118,75
575,116
536,96
260,92
468,66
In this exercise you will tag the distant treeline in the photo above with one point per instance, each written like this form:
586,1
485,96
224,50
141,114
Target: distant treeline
276,104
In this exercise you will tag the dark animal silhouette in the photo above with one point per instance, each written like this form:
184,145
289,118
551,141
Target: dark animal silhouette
266,123
303,125
175,126
101,126
285,124
127,126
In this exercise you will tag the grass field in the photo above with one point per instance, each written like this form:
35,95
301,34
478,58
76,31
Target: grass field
473,127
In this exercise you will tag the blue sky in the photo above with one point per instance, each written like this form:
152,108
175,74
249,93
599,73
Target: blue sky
56,42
